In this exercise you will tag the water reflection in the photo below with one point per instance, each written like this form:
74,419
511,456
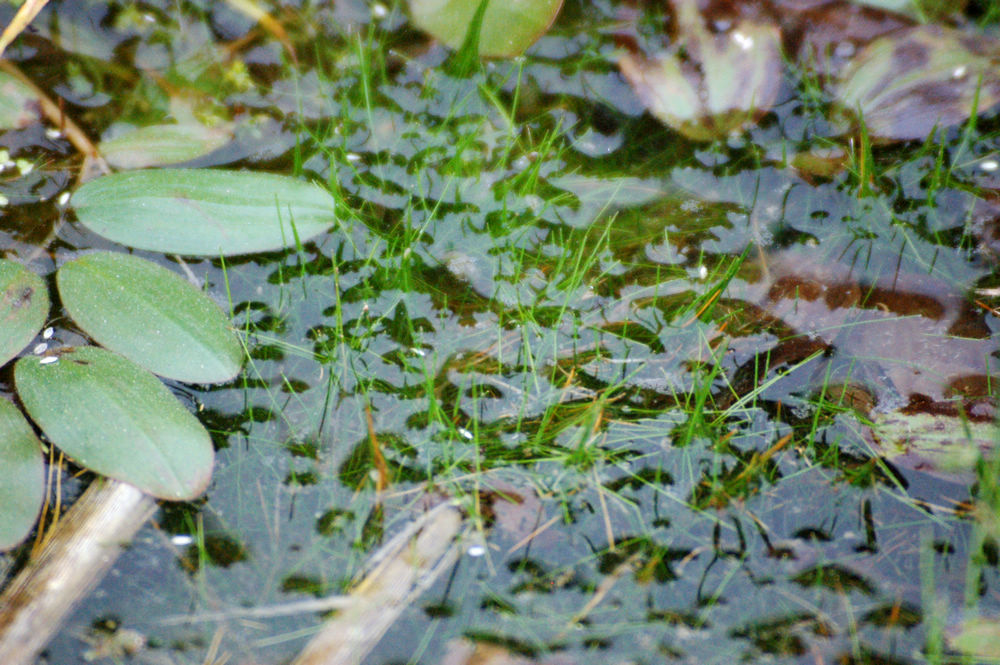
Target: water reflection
581,341
908,336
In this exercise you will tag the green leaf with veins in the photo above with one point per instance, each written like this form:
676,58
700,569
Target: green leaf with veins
115,418
151,316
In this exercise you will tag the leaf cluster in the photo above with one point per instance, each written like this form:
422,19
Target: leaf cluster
102,405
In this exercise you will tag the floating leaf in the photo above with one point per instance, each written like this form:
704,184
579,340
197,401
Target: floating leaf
906,83
824,37
151,316
978,637
24,304
22,476
933,442
162,145
508,29
204,212
117,419
18,103
715,83
924,10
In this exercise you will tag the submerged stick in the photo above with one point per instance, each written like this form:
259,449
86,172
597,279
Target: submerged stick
78,553
55,115
403,569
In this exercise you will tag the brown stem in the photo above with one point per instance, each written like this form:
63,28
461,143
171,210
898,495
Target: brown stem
55,115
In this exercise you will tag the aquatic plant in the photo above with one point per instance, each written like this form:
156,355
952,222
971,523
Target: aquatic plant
103,407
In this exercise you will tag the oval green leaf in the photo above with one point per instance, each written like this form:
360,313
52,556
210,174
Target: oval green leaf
22,476
204,212
18,103
508,29
151,316
908,82
160,145
24,304
115,418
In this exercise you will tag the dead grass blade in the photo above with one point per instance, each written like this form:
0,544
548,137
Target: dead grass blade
251,9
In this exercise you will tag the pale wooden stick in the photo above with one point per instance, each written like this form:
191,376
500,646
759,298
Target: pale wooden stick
25,14
405,567
79,552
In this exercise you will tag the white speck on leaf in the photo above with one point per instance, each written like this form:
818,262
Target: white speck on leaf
844,49
745,42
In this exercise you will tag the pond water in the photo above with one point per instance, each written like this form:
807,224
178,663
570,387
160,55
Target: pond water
667,379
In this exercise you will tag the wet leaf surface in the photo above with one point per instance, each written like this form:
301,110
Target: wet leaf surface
151,316
22,476
204,212
163,145
113,417
904,322
828,36
936,442
901,349
24,305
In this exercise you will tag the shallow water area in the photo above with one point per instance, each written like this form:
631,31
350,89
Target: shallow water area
677,387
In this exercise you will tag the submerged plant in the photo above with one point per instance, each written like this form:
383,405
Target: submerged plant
899,79
711,84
